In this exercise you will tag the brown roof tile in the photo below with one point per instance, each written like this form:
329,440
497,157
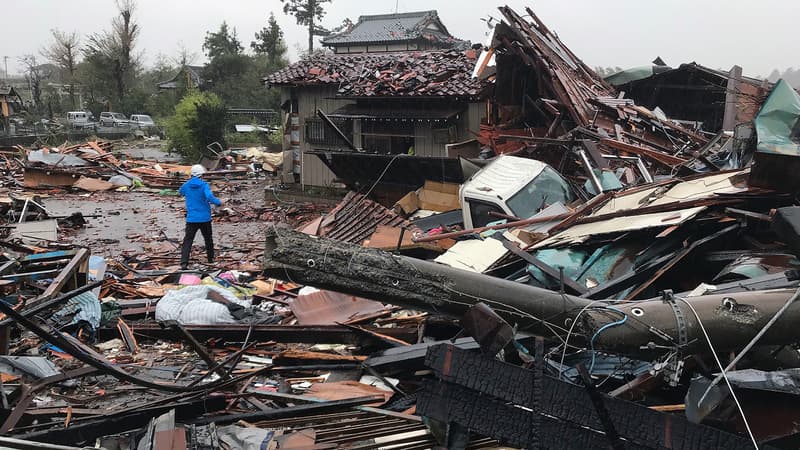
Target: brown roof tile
429,74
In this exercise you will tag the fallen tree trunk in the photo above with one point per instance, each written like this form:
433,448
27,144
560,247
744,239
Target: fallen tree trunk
730,319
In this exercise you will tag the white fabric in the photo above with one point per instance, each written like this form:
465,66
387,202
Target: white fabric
191,306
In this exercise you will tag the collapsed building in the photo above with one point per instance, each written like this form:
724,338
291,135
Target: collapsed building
669,272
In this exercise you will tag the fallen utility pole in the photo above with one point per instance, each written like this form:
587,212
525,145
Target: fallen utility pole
731,319
351,269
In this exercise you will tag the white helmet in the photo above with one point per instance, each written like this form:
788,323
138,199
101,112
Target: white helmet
198,170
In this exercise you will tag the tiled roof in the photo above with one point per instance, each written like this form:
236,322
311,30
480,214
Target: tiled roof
392,28
414,74
354,220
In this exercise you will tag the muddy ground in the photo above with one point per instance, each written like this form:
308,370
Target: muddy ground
145,222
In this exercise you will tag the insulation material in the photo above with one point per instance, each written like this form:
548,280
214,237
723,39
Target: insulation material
475,255
581,232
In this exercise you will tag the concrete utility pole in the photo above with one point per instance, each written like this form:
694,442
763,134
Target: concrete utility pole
5,72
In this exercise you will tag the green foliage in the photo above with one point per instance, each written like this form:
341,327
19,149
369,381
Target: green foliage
238,139
307,13
236,77
237,81
112,55
223,42
269,41
199,120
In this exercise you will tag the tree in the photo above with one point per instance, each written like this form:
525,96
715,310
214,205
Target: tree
34,74
199,120
64,52
184,56
307,13
269,42
115,48
222,43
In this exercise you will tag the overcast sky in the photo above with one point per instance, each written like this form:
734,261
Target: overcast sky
759,36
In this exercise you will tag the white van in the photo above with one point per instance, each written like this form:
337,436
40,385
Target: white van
80,120
514,186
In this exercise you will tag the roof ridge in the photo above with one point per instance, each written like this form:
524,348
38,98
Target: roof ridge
420,14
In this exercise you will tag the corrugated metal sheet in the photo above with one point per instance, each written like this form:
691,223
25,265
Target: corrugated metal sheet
329,308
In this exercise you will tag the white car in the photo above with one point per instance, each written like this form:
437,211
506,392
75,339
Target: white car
80,120
142,122
113,119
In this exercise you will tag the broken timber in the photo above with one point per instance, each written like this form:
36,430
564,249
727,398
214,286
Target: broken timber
475,391
730,319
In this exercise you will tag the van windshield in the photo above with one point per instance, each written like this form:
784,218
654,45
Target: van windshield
547,188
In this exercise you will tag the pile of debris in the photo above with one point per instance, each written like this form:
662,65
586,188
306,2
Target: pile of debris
630,279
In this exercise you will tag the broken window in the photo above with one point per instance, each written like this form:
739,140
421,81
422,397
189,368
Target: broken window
547,188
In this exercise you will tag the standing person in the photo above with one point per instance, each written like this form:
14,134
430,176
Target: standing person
198,214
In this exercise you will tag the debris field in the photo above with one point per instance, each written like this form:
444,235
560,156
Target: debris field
607,277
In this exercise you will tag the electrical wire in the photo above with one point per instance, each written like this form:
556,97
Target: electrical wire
572,327
724,375
603,328
377,181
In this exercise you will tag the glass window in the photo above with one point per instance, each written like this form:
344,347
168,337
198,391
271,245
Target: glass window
547,188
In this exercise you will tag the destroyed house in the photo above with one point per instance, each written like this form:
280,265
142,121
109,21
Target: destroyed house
10,104
385,104
716,99
191,76
412,31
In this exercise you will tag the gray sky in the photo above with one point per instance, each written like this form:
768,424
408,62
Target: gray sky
759,36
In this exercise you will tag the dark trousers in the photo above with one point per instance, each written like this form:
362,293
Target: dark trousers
191,231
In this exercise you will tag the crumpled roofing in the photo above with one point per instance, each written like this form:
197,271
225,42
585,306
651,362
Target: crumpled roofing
413,74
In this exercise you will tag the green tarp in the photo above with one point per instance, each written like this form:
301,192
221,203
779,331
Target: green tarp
778,122
628,75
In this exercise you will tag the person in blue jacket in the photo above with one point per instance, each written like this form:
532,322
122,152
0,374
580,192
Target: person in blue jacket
198,214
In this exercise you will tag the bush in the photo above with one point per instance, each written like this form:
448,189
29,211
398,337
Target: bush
199,120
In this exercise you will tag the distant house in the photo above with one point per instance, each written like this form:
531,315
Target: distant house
385,103
411,31
10,104
192,76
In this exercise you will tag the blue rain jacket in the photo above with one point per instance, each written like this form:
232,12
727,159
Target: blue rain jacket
198,200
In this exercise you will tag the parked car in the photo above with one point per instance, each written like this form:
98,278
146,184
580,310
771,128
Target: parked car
113,119
142,122
80,120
